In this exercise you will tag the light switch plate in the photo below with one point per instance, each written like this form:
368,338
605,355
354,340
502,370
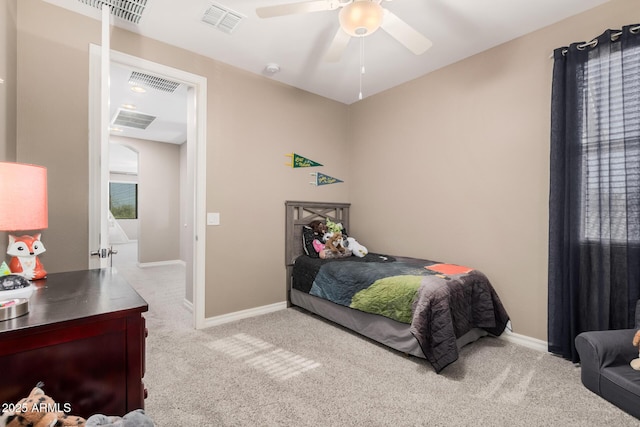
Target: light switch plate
213,218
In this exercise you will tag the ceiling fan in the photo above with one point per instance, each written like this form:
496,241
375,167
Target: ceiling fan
358,18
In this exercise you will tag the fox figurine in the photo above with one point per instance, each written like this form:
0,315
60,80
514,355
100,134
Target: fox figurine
25,262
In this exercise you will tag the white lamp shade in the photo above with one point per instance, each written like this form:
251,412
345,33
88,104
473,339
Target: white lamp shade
23,197
361,18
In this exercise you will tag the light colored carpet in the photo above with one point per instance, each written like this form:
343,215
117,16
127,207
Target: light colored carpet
290,368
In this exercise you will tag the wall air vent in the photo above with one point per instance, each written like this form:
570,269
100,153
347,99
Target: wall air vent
222,18
132,119
127,10
155,82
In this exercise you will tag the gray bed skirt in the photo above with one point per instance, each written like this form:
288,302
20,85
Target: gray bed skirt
378,328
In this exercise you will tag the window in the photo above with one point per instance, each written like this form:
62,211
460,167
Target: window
611,148
123,200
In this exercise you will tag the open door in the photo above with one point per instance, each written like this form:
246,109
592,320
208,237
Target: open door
195,213
100,251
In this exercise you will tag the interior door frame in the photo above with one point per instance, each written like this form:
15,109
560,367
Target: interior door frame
196,160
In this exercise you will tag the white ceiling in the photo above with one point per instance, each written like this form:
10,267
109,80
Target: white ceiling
457,28
169,108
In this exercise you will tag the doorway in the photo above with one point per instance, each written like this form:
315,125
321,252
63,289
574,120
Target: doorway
193,221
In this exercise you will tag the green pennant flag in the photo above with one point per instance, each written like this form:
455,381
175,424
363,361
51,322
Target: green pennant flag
298,161
322,179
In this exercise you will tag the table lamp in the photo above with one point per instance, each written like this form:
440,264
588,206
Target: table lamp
23,206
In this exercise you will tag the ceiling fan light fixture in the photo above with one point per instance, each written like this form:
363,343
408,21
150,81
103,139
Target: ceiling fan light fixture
361,18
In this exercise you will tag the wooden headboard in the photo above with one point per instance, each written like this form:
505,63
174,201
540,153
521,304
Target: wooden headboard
299,214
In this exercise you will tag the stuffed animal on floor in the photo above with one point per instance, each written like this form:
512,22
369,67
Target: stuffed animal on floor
635,363
38,410
356,248
135,418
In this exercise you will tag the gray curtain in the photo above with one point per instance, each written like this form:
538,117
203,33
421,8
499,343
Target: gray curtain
594,198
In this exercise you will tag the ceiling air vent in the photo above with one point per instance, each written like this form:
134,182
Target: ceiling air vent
155,82
128,10
222,18
132,119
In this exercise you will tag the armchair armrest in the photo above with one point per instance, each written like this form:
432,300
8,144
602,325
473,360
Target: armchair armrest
600,349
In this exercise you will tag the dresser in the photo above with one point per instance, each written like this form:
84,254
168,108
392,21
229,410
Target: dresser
84,338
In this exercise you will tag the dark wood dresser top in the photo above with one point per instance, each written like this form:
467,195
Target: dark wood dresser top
69,296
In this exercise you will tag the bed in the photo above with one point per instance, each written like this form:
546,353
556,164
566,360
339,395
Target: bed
435,308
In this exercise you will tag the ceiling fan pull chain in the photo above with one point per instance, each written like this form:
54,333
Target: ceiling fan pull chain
361,65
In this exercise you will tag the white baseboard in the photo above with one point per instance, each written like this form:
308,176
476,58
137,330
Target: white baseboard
524,340
243,314
161,263
188,304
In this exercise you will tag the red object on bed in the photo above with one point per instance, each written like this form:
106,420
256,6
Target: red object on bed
449,268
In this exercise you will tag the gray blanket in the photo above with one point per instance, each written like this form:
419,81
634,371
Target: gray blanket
446,309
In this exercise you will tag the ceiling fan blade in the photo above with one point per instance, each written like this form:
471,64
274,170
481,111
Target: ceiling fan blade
338,45
405,34
293,8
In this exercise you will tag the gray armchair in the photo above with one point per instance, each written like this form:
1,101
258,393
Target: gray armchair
605,369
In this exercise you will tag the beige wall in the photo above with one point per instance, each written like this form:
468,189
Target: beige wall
8,51
158,199
247,181
252,122
52,122
469,147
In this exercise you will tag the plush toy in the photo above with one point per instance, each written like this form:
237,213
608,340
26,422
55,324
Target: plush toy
319,228
327,243
38,410
135,418
349,242
356,248
334,227
334,234
334,243
635,363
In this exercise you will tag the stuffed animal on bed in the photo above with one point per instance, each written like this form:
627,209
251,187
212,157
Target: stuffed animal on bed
325,249
635,363
38,410
356,248
349,243
333,237
318,230
334,243
334,227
